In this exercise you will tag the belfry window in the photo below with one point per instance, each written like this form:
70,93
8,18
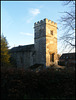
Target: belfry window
51,32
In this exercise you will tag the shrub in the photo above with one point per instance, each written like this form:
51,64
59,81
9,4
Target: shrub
48,83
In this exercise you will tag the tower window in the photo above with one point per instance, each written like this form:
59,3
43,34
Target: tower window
52,57
51,32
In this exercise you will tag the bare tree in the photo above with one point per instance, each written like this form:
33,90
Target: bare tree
68,26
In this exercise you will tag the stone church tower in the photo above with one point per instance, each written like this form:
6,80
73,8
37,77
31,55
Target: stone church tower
45,32
44,49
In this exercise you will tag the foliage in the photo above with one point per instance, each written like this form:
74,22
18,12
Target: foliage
12,61
4,52
48,83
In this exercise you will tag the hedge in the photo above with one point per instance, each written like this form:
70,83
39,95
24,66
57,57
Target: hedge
48,83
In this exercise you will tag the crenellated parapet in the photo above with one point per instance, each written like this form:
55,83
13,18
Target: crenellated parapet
45,21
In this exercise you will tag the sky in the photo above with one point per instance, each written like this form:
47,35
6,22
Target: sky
18,18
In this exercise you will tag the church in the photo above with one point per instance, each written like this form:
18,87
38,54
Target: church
44,49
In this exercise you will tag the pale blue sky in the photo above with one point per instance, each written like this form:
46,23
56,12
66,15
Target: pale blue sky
18,18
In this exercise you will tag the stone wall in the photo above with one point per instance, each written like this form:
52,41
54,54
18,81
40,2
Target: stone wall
51,42
40,48
24,59
24,55
40,42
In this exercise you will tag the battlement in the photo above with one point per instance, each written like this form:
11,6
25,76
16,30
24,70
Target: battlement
45,21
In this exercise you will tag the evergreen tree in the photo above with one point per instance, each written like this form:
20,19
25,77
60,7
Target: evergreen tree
4,52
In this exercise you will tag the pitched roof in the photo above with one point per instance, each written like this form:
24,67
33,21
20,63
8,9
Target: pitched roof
69,55
23,48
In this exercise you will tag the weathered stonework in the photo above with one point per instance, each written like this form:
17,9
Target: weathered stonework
44,49
51,42
45,42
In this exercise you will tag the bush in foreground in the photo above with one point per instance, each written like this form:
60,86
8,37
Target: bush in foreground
48,83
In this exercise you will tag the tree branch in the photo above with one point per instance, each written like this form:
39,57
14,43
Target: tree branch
70,43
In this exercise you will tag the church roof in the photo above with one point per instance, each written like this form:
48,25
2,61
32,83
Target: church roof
26,48
68,56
